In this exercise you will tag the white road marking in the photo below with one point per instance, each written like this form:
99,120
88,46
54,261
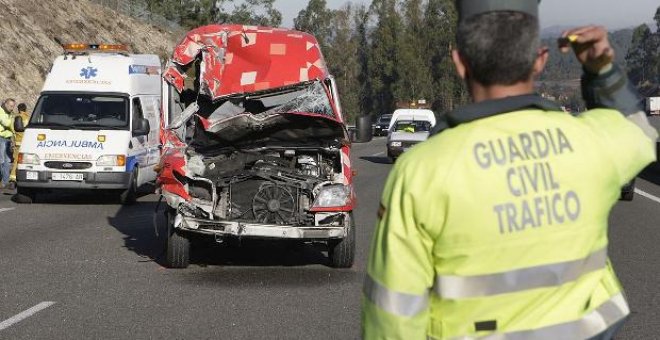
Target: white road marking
25,314
647,195
6,209
378,154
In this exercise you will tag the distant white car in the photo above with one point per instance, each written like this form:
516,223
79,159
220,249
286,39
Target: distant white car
405,134
412,115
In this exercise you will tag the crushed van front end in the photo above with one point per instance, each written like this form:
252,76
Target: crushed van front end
271,162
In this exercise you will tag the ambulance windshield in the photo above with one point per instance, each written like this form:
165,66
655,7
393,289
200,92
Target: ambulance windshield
81,111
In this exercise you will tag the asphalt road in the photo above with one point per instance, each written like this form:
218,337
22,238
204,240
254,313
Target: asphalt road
81,267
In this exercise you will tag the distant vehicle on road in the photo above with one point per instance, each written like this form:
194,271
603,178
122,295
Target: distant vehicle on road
413,115
407,128
405,134
259,149
382,125
653,106
95,125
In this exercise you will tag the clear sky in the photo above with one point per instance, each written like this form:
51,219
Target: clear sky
611,13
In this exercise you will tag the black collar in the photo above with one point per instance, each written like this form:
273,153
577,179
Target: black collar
489,108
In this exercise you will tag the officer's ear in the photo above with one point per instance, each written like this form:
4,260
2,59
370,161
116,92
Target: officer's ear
459,63
541,59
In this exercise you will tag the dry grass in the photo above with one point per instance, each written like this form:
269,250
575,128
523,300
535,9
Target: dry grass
29,30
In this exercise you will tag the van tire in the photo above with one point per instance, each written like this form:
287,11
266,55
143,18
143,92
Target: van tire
342,252
178,245
25,196
129,196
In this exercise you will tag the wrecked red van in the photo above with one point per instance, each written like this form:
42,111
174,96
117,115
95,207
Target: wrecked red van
254,142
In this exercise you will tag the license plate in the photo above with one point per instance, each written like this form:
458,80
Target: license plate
63,176
32,175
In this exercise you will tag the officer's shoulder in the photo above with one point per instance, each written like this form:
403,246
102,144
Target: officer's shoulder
602,115
433,154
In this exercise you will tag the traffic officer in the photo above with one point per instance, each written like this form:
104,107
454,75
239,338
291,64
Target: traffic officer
496,227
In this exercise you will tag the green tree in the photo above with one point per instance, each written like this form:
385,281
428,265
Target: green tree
413,66
200,12
440,29
639,56
361,37
316,19
342,58
254,12
382,62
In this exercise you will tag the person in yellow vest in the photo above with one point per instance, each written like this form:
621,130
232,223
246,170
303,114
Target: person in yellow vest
20,123
6,112
496,227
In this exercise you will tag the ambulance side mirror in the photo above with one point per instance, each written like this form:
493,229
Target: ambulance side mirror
141,128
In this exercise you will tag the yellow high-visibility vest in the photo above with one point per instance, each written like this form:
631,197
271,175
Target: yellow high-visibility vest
498,227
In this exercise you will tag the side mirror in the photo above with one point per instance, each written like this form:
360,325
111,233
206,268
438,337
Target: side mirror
141,128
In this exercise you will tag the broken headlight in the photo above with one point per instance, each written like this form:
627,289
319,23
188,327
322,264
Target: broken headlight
333,196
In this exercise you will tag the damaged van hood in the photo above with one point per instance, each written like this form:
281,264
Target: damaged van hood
235,59
253,86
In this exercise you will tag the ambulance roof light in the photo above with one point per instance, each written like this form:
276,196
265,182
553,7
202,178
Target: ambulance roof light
78,48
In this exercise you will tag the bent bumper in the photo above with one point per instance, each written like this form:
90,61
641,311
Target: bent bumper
254,230
91,180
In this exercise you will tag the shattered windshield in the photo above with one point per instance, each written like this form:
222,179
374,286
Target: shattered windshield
289,115
312,99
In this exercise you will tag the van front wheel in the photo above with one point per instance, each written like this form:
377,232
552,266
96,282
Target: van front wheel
177,254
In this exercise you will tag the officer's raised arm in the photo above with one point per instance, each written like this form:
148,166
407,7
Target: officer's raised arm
604,83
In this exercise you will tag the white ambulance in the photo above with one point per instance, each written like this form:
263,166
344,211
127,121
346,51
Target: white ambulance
95,125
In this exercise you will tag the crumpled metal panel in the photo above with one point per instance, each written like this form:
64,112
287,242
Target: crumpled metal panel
238,59
312,101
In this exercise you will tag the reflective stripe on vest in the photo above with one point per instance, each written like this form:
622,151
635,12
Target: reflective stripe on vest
557,274
590,325
397,303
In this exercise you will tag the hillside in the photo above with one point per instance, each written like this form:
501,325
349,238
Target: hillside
29,29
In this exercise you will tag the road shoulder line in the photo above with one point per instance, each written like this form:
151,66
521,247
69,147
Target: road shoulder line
647,195
25,314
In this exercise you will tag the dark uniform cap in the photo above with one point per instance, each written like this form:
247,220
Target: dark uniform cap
469,8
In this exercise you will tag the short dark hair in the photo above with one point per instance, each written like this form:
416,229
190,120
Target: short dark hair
22,107
499,48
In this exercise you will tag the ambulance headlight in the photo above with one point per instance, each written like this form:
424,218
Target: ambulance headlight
111,160
333,196
28,158
395,144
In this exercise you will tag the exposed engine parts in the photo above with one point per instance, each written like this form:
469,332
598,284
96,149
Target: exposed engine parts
273,204
270,186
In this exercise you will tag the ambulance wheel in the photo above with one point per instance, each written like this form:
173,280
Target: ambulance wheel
178,245
129,196
342,252
25,195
